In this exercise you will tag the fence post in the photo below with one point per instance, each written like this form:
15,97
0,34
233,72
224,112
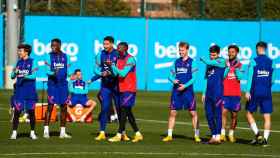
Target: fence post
12,39
143,8
202,8
22,15
259,9
82,7
49,5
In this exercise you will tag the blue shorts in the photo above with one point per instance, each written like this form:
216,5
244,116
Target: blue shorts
127,99
58,94
182,100
22,105
78,99
264,103
232,103
105,96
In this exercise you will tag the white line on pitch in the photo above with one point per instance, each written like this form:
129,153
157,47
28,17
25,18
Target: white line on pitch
203,125
143,153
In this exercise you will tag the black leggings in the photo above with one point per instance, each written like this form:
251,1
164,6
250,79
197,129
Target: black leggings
31,114
126,113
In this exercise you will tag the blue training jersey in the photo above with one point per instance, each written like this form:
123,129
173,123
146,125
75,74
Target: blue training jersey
262,77
185,72
78,87
215,77
109,81
25,87
57,64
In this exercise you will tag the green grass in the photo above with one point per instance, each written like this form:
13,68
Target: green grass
149,106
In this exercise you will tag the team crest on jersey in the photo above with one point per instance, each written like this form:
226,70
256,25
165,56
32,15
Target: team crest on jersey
210,72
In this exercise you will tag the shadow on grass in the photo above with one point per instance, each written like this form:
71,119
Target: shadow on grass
109,135
178,136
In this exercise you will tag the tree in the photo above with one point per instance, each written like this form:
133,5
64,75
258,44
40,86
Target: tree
108,8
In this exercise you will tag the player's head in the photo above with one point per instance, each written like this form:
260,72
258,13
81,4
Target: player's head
78,74
24,50
56,45
214,51
232,51
183,49
108,43
261,47
122,48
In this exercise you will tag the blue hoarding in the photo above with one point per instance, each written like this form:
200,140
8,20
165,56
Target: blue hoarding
82,39
164,36
153,42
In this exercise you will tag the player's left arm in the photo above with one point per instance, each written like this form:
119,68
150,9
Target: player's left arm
70,86
226,72
131,62
239,72
85,91
46,63
194,75
219,62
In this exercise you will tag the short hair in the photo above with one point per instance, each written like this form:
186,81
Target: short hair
234,47
57,40
27,48
261,44
109,38
77,70
215,48
123,44
184,44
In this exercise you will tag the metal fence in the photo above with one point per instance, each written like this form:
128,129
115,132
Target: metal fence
192,9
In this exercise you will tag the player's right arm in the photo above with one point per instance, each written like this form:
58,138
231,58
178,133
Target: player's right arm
172,75
13,74
219,62
252,64
97,69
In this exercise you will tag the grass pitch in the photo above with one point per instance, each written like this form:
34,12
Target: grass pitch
151,110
